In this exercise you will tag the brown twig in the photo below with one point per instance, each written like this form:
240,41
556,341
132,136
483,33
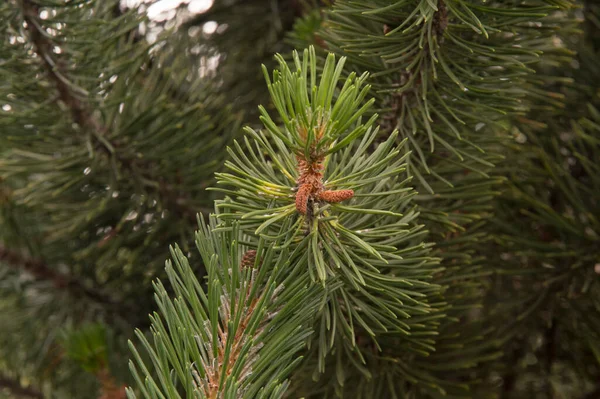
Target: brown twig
16,389
43,47
109,388
440,21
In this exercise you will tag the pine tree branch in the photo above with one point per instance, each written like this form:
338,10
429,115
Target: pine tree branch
42,272
82,115
396,100
248,324
43,47
15,388
229,353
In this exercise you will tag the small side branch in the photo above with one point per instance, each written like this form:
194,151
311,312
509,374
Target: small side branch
440,21
42,272
16,389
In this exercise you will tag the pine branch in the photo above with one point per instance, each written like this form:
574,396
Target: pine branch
394,116
83,116
426,60
43,272
43,47
228,349
16,389
344,203
243,333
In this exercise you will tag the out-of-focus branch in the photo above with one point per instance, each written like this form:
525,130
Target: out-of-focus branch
43,48
83,116
42,272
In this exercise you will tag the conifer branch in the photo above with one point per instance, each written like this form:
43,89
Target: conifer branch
43,272
219,368
43,48
18,390
244,331
316,164
426,60
83,116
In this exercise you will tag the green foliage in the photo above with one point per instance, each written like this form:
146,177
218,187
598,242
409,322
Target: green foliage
372,244
421,54
102,161
442,67
111,146
312,122
240,337
372,264
547,234
438,240
87,346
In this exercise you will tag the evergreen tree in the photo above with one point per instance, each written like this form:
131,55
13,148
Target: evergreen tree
410,212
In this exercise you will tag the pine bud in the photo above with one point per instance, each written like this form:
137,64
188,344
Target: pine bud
334,196
248,259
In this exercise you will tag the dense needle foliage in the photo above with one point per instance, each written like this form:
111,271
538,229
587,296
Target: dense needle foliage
403,202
